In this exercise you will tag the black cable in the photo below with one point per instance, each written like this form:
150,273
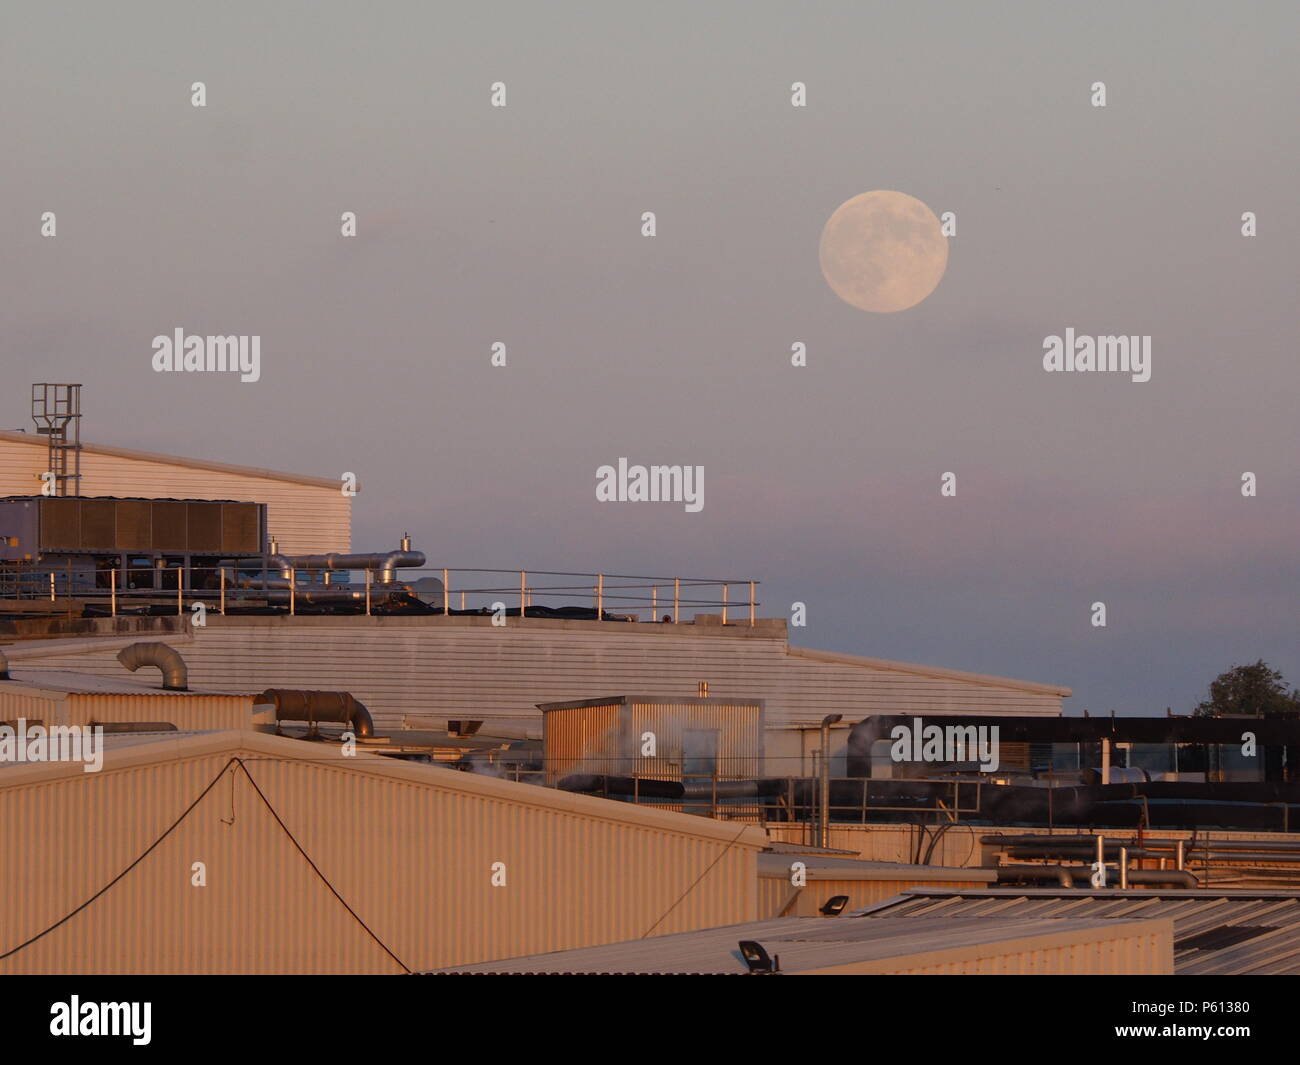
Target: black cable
67,917
324,880
188,810
722,854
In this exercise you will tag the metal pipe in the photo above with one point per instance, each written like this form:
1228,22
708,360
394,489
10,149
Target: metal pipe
4,667
112,584
446,594
1178,855
1123,868
223,590
386,564
677,595
724,604
292,704
824,807
1016,874
523,594
167,659
751,604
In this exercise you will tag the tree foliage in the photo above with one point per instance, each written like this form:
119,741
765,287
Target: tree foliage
1254,690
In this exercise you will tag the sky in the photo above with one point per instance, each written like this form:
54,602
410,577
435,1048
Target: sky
523,225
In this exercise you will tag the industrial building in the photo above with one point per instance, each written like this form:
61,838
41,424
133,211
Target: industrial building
651,738
421,671
803,946
1216,933
242,852
304,513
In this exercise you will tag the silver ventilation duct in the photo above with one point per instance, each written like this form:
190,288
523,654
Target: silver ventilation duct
167,659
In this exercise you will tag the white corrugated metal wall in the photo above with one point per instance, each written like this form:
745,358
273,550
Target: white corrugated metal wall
462,667
306,517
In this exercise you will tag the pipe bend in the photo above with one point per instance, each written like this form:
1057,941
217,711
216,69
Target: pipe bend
168,660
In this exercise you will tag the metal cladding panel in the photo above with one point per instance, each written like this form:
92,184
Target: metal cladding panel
740,737
169,526
241,528
203,522
189,713
306,518
489,672
134,525
98,525
16,704
581,740
411,850
1136,948
61,523
1274,917
19,530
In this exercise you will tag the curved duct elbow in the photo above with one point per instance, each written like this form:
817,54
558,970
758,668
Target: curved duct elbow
315,707
167,659
396,560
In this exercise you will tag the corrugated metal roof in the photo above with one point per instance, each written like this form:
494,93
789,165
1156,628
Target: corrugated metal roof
1221,933
71,683
804,944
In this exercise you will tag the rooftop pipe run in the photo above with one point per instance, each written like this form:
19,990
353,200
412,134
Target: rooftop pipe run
386,564
313,707
167,659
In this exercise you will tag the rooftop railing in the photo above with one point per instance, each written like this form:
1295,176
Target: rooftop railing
155,589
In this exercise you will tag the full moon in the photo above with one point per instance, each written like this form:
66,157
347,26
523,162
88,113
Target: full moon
883,251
